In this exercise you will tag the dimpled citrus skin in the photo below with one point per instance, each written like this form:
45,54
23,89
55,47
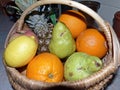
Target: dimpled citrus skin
45,67
92,42
75,21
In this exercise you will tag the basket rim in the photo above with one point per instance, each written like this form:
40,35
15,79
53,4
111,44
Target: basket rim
70,3
87,82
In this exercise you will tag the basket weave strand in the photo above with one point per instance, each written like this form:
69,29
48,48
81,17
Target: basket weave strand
96,81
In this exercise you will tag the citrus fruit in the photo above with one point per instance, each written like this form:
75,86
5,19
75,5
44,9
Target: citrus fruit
92,42
45,67
74,20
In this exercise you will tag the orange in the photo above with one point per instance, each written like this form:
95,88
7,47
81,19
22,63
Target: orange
92,42
45,67
74,20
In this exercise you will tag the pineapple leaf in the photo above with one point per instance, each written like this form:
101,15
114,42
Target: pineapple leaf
23,4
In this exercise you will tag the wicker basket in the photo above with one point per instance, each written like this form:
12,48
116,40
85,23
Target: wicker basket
97,81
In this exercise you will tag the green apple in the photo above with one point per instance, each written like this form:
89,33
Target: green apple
20,51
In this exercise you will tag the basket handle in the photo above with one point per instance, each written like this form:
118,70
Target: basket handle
71,3
102,24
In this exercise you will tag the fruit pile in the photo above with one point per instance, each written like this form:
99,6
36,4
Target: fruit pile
74,51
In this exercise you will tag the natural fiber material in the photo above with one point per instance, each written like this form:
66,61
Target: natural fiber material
97,81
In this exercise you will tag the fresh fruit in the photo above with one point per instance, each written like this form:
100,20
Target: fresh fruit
26,31
94,64
31,34
39,24
15,35
80,65
62,43
45,67
92,42
20,51
74,20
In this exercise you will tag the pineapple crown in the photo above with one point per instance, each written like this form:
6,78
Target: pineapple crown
37,22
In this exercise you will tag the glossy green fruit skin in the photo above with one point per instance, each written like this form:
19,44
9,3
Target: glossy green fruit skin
62,43
20,51
80,65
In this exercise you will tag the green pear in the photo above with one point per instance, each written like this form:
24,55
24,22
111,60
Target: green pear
62,43
81,65
20,51
94,64
75,67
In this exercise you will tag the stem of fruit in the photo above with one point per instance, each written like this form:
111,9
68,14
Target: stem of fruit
50,75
